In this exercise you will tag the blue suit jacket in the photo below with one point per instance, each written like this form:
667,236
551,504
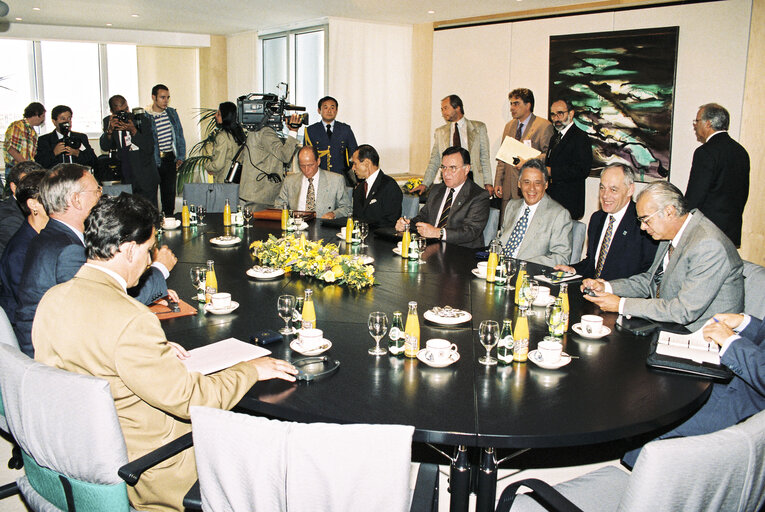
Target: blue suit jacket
341,147
11,265
631,252
54,257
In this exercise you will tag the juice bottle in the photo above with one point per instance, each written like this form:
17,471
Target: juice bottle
519,280
285,216
491,265
563,294
396,343
521,337
412,330
185,215
348,230
227,214
405,240
309,312
211,281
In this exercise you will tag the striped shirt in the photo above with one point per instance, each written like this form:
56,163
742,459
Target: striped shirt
164,131
22,137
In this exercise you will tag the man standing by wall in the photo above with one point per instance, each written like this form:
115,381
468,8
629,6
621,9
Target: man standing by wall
334,141
169,144
21,138
62,145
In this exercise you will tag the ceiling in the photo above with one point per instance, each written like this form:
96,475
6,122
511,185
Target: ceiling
225,17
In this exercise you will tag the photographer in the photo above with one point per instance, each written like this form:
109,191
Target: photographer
130,140
62,145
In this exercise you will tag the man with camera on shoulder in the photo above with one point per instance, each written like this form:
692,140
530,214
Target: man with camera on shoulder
128,137
62,145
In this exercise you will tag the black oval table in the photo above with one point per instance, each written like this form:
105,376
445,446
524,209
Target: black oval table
606,393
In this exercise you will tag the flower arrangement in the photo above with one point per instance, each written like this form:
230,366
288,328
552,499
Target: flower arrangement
412,183
314,259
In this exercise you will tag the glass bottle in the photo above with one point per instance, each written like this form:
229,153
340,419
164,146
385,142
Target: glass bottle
227,213
505,344
563,295
185,215
192,215
211,281
309,311
297,313
491,265
412,330
556,326
519,280
406,239
500,275
348,230
413,253
396,343
356,234
521,337
285,216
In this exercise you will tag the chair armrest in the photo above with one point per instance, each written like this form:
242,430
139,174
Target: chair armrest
193,498
425,497
8,490
553,500
132,471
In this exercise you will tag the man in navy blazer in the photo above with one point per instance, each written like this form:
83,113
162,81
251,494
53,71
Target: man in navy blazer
377,198
68,193
627,250
334,140
742,349
62,145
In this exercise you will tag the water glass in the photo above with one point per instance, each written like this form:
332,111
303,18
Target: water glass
363,232
201,212
488,334
530,293
512,270
247,213
422,244
378,326
285,307
198,277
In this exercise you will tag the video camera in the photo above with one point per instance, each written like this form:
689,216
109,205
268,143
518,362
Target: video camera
256,110
66,129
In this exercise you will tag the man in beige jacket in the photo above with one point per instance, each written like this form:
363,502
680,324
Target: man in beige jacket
90,325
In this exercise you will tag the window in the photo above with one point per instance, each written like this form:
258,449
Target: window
17,84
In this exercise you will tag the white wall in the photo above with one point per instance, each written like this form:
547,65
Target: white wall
711,66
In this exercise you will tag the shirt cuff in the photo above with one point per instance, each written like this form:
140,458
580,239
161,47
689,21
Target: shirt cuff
621,305
607,287
727,343
162,268
743,325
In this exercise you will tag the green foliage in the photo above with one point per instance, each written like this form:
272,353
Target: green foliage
200,152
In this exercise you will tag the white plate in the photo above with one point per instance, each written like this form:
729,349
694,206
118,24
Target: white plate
478,274
365,260
431,316
605,331
298,347
302,227
174,226
536,358
341,236
544,303
225,241
223,311
259,274
423,354
396,250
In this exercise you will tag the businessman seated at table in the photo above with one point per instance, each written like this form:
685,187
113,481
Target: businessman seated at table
536,228
696,272
314,189
742,349
457,209
377,197
90,325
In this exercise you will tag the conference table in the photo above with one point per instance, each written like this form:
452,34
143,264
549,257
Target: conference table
606,393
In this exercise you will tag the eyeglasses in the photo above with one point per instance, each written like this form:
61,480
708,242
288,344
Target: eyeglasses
451,169
98,190
644,219
560,113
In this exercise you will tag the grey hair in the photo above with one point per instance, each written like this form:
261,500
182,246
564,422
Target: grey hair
629,172
535,163
666,194
57,187
718,117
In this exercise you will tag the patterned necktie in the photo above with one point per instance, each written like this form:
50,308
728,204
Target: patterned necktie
519,132
310,197
456,142
329,131
553,142
670,250
516,236
605,246
445,212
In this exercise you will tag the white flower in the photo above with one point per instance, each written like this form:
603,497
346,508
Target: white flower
328,276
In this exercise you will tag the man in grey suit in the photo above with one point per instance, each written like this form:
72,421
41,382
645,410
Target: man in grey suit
457,209
696,273
315,190
536,228
459,132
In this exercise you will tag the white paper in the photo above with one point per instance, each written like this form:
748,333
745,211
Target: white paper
221,355
688,346
546,279
512,148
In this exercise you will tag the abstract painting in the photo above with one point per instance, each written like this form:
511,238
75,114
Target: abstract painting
622,86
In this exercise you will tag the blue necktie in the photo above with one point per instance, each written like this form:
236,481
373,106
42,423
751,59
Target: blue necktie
516,236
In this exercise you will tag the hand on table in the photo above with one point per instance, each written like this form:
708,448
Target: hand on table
328,215
565,268
173,295
596,285
270,368
428,230
180,352
605,301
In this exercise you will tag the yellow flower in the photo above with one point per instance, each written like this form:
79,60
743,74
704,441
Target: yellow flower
338,271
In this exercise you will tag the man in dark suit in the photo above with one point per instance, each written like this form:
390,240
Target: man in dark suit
616,246
62,145
132,142
719,180
377,198
11,217
334,141
569,159
68,193
457,209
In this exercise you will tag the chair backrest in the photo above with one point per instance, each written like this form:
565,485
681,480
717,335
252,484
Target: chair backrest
349,193
7,337
578,232
410,206
211,195
66,425
115,190
724,470
490,231
299,467
754,289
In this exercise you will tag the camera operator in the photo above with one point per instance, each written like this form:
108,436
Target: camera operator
263,163
62,145
129,138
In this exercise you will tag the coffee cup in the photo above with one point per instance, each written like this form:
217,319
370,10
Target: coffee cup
342,231
550,350
543,296
221,300
398,245
592,324
169,222
440,349
481,266
311,339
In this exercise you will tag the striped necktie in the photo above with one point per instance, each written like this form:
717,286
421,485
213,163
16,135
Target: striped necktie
605,246
445,212
670,250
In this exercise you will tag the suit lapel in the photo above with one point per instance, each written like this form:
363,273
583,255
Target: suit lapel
472,135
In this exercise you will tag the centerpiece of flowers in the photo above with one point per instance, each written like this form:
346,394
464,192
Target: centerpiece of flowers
313,258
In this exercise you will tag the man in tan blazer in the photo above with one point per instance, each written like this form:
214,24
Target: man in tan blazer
90,325
527,128
471,135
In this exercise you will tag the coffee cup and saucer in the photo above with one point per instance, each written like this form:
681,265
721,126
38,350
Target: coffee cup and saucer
480,270
549,354
591,326
544,298
310,342
439,353
170,223
221,304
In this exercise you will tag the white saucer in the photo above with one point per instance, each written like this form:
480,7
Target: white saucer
302,227
224,241
223,311
536,358
365,260
443,320
175,226
298,347
581,332
550,300
478,273
272,273
423,354
396,250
